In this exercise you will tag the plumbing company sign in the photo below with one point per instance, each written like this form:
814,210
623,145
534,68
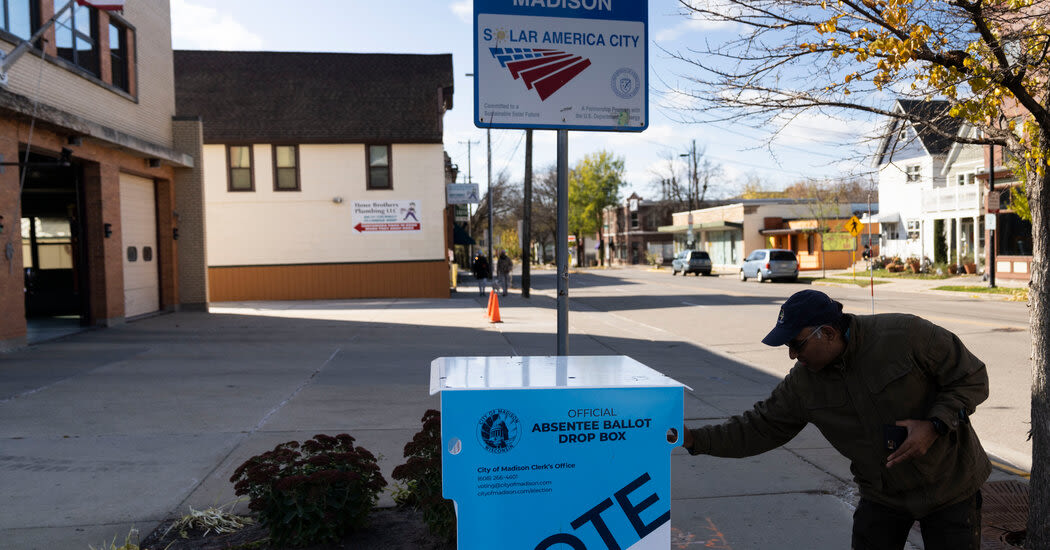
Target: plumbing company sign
561,64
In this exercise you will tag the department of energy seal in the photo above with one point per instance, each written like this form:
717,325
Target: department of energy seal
499,431
625,83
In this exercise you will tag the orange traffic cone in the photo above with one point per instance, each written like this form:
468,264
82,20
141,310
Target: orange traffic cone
492,298
494,314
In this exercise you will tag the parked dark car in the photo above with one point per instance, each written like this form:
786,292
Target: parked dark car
770,264
691,261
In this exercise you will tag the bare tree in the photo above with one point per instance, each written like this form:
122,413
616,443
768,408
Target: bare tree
686,188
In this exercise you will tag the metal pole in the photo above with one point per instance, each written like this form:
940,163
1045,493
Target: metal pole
526,225
562,246
991,232
470,179
488,138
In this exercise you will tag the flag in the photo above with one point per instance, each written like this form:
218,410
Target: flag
109,5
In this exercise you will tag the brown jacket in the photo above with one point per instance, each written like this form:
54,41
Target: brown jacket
895,367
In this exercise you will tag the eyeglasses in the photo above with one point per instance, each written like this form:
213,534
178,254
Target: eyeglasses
797,345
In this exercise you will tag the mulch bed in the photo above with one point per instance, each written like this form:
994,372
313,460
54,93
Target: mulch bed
388,529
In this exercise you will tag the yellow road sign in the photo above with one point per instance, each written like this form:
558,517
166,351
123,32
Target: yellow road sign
854,226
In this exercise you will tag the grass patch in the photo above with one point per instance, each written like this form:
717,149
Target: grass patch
907,274
859,281
1015,294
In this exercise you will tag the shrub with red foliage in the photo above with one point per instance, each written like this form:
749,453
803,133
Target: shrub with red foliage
420,479
313,492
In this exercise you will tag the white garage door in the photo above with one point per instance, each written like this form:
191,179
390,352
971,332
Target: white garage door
138,225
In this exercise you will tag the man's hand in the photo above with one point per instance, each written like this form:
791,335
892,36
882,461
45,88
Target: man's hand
687,437
920,436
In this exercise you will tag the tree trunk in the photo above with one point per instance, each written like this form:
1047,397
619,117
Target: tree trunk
1038,536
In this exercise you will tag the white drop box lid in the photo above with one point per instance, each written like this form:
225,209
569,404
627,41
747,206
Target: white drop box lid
581,371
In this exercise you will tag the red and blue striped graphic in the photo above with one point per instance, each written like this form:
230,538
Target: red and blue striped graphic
543,70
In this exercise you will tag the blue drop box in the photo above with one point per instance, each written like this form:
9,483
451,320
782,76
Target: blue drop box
557,452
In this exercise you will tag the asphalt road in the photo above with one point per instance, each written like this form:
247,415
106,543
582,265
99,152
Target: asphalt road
730,317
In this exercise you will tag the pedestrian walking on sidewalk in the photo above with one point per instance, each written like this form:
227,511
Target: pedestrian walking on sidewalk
503,267
482,272
892,393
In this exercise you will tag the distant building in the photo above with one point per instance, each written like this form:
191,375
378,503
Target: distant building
630,231
90,233
324,173
730,232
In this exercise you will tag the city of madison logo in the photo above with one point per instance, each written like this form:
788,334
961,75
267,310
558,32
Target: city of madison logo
543,70
499,431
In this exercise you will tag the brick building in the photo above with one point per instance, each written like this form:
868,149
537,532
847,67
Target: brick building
630,231
324,173
95,167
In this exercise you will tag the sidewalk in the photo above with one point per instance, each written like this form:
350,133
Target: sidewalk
105,430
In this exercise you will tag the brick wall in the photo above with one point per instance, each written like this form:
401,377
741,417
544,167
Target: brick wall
189,203
12,299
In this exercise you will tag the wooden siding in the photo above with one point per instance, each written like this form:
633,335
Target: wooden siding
329,281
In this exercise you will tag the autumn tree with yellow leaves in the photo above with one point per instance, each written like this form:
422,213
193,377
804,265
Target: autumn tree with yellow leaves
989,59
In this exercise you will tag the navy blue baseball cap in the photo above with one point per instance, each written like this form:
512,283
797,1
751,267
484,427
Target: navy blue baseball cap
805,308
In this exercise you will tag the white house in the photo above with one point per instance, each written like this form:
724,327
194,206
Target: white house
927,186
324,173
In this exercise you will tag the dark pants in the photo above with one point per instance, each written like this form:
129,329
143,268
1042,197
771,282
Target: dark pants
955,527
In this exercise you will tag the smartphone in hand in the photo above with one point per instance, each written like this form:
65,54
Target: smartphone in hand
894,436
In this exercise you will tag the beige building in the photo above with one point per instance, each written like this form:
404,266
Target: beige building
324,174
94,169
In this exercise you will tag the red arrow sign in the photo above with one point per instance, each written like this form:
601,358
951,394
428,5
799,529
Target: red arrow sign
406,226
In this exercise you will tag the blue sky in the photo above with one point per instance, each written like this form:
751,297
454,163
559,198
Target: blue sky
811,146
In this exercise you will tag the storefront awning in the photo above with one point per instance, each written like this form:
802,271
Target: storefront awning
882,217
706,226
789,231
460,236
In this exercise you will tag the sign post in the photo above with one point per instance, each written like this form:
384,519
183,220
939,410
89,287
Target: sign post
854,227
561,65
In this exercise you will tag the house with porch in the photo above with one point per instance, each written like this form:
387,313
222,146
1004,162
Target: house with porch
930,200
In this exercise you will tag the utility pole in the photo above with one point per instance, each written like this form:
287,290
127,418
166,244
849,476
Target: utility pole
994,216
694,187
469,180
526,224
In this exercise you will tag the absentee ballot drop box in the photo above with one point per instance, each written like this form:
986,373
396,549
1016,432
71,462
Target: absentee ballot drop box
557,452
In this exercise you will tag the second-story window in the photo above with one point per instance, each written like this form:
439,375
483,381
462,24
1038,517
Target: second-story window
18,17
118,55
634,220
914,172
286,168
378,167
77,39
240,163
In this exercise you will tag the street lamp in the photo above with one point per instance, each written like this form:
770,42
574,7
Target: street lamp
692,186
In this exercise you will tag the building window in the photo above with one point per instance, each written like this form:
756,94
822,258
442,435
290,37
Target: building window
914,172
286,168
634,220
18,17
913,229
118,55
379,167
240,163
965,179
77,38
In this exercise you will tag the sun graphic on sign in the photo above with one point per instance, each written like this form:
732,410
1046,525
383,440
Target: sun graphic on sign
501,35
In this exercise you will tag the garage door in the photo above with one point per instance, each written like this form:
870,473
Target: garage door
138,227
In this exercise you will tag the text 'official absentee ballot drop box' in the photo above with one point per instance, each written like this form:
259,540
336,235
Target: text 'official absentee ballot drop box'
557,452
